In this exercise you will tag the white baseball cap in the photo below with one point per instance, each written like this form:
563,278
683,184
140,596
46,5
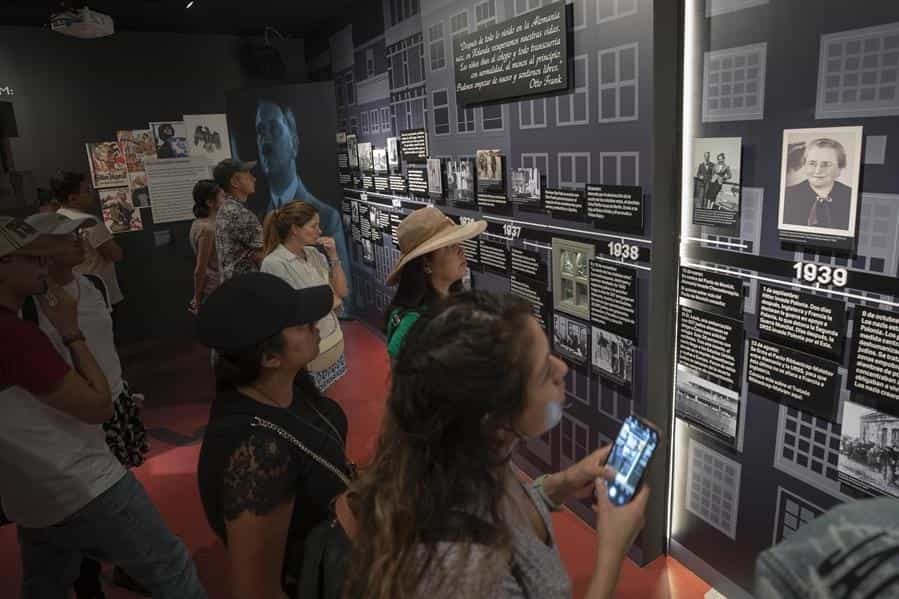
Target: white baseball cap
19,237
54,223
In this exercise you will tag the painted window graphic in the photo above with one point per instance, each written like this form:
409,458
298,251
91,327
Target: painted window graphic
436,46
808,448
574,169
574,108
858,73
610,10
618,84
793,512
575,435
713,488
733,84
619,168
720,7
532,114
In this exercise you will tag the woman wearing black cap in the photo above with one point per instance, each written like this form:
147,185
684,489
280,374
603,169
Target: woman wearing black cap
273,455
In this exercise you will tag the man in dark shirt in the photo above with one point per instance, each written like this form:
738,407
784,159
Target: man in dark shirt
820,201
703,178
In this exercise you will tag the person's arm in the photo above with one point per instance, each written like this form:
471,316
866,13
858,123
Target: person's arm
616,529
256,547
337,277
100,238
83,392
258,501
205,245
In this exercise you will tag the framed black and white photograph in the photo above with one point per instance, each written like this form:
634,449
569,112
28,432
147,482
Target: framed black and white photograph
366,159
435,178
613,356
379,157
571,338
352,150
490,171
355,212
716,181
819,180
869,452
393,153
525,186
460,181
714,408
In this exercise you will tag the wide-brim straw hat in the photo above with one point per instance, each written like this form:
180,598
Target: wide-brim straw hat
426,230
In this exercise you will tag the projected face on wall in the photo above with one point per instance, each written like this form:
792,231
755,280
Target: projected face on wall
276,139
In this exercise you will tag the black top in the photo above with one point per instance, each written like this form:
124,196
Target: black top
244,468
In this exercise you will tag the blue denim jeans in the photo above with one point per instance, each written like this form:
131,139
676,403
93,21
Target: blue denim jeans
121,526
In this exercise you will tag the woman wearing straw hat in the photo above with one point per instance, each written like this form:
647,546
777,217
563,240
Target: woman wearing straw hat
431,266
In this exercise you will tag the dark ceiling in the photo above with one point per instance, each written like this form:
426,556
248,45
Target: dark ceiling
292,18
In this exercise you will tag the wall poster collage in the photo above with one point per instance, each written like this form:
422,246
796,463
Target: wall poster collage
119,169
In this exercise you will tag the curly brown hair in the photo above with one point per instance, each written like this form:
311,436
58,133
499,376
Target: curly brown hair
459,383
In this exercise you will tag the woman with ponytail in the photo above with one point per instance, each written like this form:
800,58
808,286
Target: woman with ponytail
441,513
291,234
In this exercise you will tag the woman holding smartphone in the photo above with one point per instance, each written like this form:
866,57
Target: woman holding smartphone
291,234
441,512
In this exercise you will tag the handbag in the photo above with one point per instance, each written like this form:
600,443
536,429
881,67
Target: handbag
327,545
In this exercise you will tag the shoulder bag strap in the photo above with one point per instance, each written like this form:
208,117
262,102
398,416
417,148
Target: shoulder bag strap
101,287
29,310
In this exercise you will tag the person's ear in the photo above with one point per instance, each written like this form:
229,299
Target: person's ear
270,360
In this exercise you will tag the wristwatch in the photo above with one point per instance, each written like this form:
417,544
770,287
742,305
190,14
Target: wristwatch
68,340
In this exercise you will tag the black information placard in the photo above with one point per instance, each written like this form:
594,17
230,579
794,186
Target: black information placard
398,184
343,161
521,56
798,379
382,184
493,201
874,359
356,233
395,220
804,321
364,221
613,298
616,208
564,203
345,179
368,182
414,145
418,181
711,345
536,295
714,292
495,256
374,217
529,264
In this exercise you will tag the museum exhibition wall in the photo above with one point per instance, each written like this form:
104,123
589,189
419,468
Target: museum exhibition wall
788,328
473,107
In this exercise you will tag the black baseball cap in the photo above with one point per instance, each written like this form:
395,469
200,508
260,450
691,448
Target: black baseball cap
256,306
227,168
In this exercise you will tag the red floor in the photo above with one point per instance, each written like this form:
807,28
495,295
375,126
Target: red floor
175,422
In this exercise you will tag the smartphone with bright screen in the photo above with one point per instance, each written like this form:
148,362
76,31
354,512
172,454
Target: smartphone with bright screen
629,457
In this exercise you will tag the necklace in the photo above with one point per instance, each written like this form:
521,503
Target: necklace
336,436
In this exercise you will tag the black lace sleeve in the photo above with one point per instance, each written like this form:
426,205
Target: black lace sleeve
259,475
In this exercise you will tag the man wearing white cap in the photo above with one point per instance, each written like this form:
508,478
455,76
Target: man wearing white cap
59,482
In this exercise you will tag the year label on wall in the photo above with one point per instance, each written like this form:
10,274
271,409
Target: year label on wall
821,274
512,231
622,250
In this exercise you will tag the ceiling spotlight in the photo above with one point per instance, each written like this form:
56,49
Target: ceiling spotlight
189,4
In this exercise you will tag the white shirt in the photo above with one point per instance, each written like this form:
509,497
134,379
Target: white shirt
95,321
300,273
94,263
